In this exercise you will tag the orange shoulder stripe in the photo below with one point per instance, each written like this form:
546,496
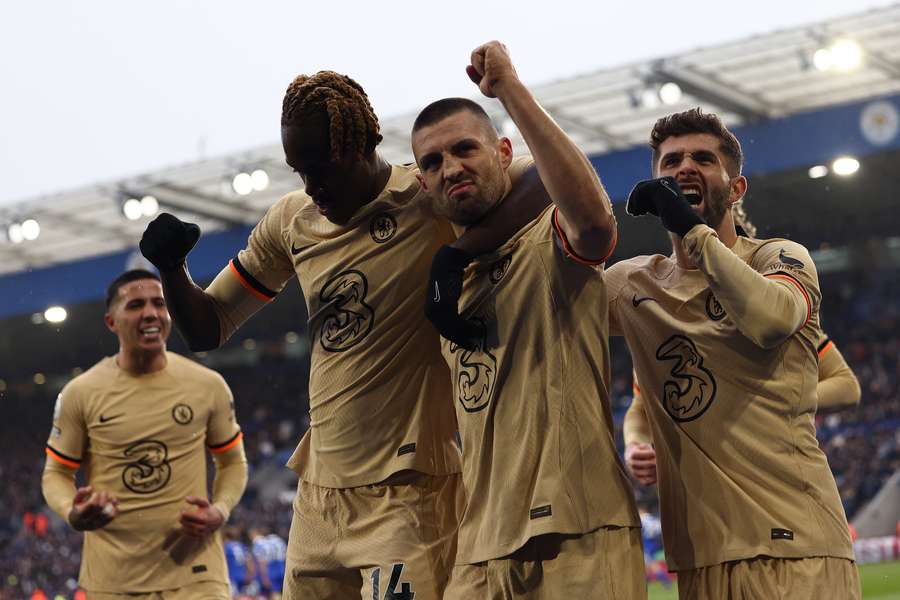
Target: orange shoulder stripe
571,251
825,347
793,280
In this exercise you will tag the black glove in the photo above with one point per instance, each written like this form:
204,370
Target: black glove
663,198
442,300
167,241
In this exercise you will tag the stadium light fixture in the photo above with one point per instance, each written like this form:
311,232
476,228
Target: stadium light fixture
847,55
55,314
670,93
149,206
242,184
818,171
14,233
650,98
259,179
845,166
842,55
131,208
31,229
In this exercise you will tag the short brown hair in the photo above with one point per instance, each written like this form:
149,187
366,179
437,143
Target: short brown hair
441,109
696,121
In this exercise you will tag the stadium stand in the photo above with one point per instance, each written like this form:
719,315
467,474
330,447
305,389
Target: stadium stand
850,224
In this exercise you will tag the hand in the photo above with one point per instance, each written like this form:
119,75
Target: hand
663,198
92,510
202,522
442,299
641,462
490,66
167,241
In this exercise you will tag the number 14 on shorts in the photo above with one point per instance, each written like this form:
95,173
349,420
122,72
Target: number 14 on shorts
391,592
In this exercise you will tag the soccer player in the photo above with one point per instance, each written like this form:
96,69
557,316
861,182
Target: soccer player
376,506
549,510
837,388
723,335
238,560
136,424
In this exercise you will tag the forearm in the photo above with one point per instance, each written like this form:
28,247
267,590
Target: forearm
838,387
58,487
635,427
584,208
191,309
230,479
766,310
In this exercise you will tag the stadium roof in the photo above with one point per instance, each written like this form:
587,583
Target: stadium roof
751,80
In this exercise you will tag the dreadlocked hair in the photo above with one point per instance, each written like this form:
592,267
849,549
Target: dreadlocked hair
742,221
352,124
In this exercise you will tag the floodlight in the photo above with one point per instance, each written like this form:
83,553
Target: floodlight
818,171
670,93
847,55
14,233
149,206
132,210
30,229
55,314
845,165
259,179
242,184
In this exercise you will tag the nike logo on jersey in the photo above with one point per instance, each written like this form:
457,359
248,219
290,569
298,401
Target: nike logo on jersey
107,419
295,250
437,292
635,301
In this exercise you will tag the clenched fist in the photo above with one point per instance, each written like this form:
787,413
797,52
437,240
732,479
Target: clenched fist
491,67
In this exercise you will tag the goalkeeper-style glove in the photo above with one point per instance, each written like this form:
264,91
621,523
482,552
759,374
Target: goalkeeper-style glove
167,241
442,300
663,198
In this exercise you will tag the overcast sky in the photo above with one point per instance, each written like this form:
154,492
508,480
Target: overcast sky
93,90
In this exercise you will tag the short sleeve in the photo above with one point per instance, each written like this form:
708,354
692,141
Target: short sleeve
264,266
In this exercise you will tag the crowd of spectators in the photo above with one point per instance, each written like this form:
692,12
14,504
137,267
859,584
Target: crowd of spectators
39,554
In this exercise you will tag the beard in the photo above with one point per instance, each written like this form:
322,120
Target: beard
715,206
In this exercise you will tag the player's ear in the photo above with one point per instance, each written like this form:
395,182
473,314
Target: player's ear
738,187
110,322
504,147
422,182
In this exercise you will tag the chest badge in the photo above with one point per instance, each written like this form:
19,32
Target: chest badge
382,227
182,413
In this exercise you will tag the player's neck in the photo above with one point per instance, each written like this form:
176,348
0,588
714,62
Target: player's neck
725,232
381,174
141,362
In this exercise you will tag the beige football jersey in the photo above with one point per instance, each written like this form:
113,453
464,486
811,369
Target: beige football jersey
740,471
143,438
533,403
378,388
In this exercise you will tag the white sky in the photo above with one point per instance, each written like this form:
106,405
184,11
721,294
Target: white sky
93,90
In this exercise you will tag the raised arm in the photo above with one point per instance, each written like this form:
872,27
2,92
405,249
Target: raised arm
584,210
166,243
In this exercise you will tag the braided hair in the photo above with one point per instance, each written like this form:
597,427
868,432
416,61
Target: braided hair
352,124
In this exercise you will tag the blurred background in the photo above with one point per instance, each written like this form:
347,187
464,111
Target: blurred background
113,112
